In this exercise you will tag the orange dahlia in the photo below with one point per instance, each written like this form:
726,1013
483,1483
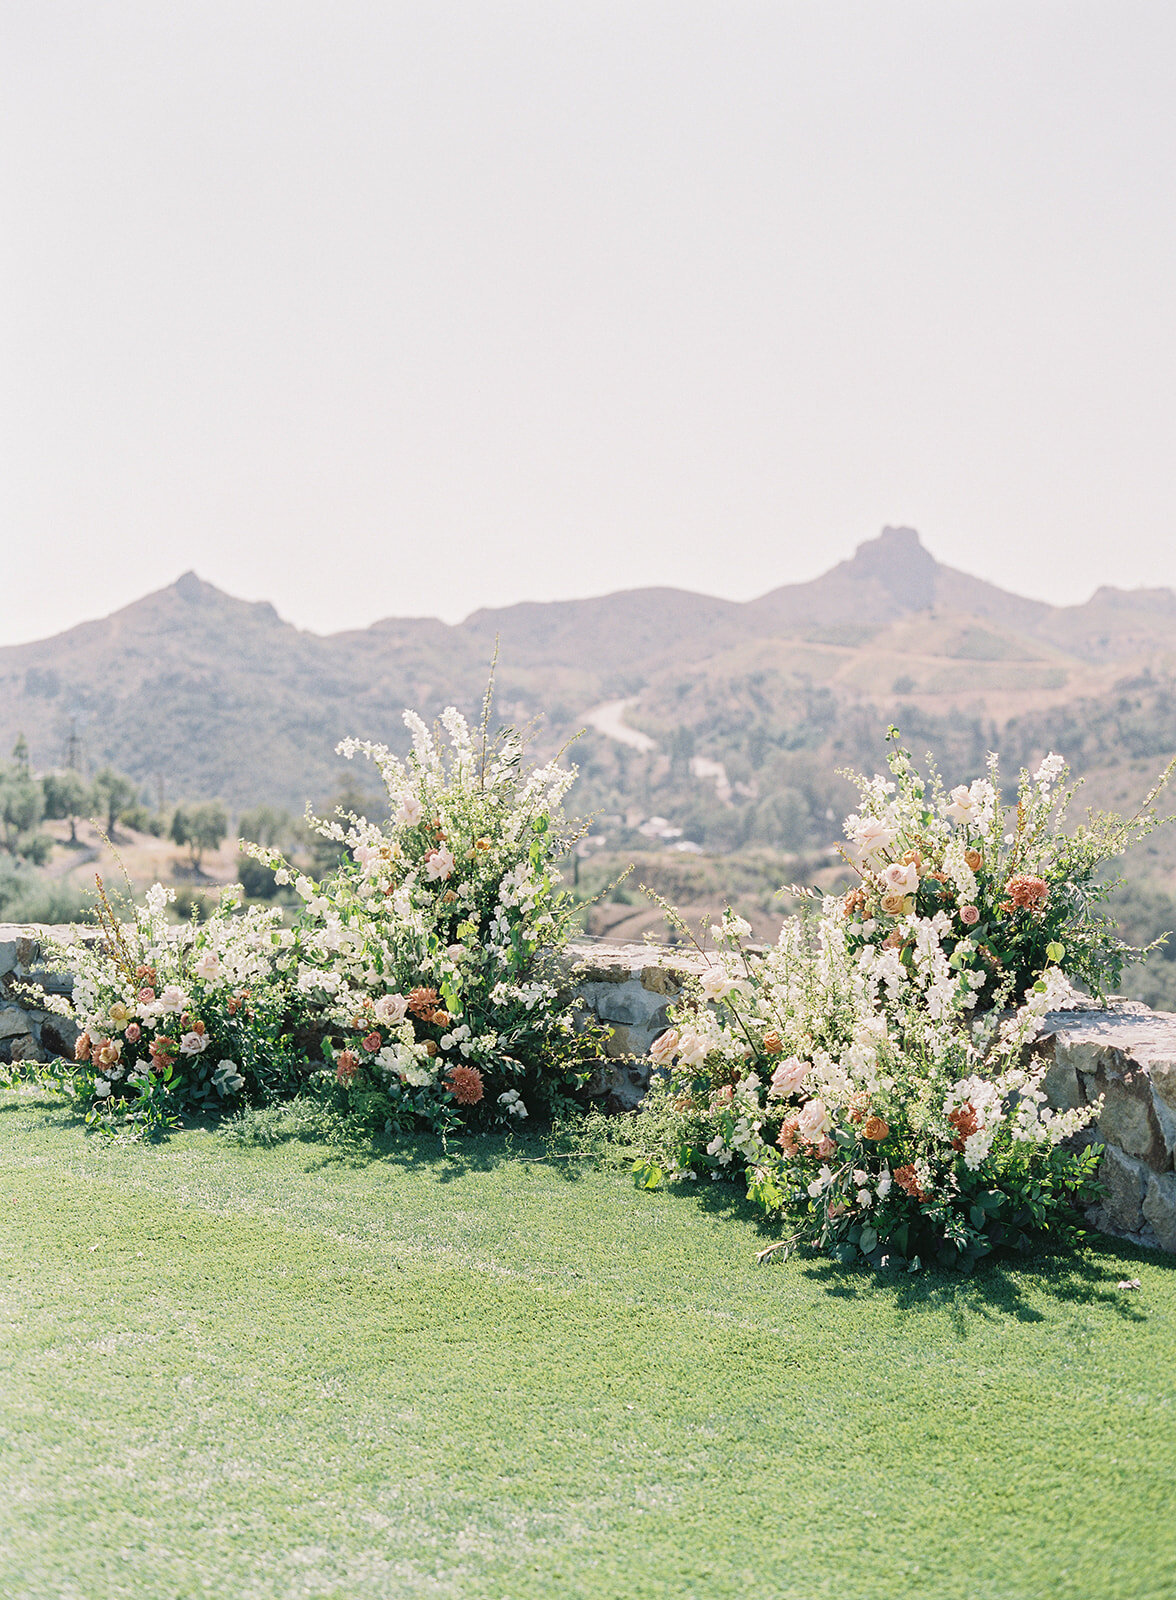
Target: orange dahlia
465,1085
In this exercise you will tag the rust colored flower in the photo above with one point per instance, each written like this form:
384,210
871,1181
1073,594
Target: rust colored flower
907,1181
482,843
876,1129
133,1032
107,1051
346,1066
146,995
855,900
465,1085
440,1018
974,859
786,1138
371,1042
449,896
82,1047
965,1121
859,1107
912,859
1027,893
430,1047
892,941
773,1044
422,1003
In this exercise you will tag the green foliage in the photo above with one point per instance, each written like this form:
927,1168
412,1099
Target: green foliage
201,827
112,792
67,797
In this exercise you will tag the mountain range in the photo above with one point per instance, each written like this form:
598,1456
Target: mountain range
196,693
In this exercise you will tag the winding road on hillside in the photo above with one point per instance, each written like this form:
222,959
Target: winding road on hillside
609,719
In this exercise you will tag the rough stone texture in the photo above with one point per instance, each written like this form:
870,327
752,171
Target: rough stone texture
1127,1054
1159,1207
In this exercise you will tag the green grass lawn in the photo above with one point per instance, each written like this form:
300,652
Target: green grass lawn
249,1372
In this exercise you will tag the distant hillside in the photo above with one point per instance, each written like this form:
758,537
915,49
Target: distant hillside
217,697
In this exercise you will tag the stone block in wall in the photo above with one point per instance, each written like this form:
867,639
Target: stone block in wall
1126,1179
59,1035
1159,1207
26,1048
620,1086
13,1020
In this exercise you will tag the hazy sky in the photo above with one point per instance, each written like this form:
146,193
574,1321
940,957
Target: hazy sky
376,308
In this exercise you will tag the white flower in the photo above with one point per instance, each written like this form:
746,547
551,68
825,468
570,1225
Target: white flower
661,1051
409,811
1049,770
439,864
368,856
226,1077
820,1183
208,967
390,1009
872,837
883,1184
101,1088
282,876
901,878
716,984
692,1048
193,1044
172,999
511,1102
961,807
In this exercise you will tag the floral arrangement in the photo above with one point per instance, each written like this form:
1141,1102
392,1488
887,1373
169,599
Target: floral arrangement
427,959
176,1018
870,1078
417,985
980,896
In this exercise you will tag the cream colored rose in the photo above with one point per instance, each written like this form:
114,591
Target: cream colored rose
900,878
661,1051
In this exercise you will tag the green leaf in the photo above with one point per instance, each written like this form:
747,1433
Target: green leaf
868,1240
1054,950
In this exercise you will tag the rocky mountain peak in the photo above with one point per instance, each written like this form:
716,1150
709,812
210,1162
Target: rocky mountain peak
898,561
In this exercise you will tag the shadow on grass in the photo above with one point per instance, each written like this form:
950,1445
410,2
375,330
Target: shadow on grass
1006,1284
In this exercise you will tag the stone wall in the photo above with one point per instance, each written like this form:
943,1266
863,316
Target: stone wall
1123,1052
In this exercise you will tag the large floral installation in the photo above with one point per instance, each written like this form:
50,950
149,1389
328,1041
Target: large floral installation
428,960
870,1079
176,1018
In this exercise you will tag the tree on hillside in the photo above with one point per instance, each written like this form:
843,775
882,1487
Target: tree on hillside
201,827
67,797
22,805
113,791
20,756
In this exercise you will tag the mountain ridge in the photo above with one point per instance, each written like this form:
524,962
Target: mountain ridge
205,693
